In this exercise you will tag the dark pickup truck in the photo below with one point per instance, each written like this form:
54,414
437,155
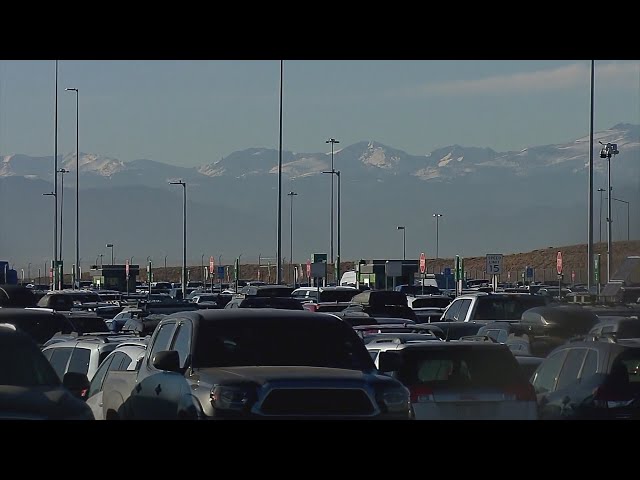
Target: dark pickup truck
254,364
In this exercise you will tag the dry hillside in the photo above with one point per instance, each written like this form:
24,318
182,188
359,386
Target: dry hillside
543,261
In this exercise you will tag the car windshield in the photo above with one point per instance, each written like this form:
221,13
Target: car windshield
22,364
280,343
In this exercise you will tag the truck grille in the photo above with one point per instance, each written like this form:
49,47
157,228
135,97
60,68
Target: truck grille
317,401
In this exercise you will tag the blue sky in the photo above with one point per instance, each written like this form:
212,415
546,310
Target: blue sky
191,113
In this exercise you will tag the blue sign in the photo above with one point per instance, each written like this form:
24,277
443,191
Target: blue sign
447,271
220,271
529,272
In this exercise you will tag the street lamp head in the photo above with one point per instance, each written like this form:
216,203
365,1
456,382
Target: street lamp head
437,214
48,194
178,183
400,228
292,193
109,245
601,189
70,89
332,140
63,170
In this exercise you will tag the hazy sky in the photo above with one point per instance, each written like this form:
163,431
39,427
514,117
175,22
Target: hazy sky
190,113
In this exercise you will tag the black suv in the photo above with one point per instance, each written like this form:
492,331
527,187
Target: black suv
594,378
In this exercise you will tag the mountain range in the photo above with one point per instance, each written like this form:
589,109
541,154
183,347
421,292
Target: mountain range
491,201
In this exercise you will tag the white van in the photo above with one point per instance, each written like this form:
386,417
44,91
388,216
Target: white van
348,279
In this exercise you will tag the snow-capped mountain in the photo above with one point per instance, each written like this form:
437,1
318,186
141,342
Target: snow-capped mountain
364,159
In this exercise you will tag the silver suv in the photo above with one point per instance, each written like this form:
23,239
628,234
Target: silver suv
84,354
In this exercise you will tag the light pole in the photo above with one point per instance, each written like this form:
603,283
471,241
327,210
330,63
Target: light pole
279,255
600,219
404,243
437,217
54,265
184,236
75,273
101,255
202,269
624,201
332,141
590,194
62,171
291,195
607,151
55,186
29,271
165,268
109,245
337,262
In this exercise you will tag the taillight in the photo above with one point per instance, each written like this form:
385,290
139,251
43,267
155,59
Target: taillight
420,394
523,392
83,392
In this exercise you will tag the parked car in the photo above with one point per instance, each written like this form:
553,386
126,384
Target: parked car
461,380
619,327
590,379
254,363
491,307
40,325
83,354
17,296
127,356
30,388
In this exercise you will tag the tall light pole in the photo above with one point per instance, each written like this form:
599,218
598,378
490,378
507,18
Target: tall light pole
607,151
590,195
404,242
165,268
55,187
624,201
332,141
279,255
337,261
109,245
600,190
184,236
62,171
29,271
437,217
101,255
75,273
291,195
54,264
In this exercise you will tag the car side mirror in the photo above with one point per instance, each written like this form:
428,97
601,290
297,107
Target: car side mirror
77,383
167,360
389,361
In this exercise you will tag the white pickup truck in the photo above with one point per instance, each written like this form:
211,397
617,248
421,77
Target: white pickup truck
491,307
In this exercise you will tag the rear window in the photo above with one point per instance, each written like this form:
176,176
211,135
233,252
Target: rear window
40,327
337,295
79,360
431,302
89,324
22,364
467,367
506,308
629,329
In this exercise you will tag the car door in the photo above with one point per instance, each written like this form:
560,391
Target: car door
564,401
94,395
173,385
544,382
145,400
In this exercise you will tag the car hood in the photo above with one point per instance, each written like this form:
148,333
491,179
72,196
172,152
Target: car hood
263,375
41,403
